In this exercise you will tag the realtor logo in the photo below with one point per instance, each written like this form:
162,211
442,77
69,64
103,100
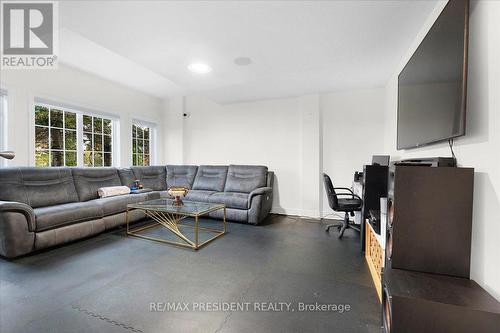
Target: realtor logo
29,31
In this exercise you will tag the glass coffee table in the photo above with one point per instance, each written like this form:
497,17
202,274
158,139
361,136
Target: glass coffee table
165,214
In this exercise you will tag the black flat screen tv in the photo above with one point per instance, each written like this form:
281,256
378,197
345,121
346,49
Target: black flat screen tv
432,87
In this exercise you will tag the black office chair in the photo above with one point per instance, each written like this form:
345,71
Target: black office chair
347,205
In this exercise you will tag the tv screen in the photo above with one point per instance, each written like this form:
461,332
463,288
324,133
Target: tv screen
432,86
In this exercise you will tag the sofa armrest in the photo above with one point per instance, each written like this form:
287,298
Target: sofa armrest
17,229
260,202
259,191
18,207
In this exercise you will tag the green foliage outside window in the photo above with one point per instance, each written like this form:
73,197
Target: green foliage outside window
55,137
57,142
141,145
97,141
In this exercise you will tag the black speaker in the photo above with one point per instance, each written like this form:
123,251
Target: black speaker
430,219
431,303
374,188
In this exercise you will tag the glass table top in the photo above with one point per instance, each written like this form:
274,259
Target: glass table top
189,208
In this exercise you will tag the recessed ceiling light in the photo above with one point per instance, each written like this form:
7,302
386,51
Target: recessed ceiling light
242,61
199,68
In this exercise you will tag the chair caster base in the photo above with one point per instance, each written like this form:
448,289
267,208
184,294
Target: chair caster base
338,226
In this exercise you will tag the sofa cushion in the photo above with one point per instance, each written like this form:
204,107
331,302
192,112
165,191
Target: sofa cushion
68,233
37,187
153,195
153,177
118,204
199,195
164,194
245,178
232,214
210,178
181,175
65,214
127,176
89,180
230,199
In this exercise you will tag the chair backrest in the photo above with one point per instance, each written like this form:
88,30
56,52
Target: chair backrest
330,192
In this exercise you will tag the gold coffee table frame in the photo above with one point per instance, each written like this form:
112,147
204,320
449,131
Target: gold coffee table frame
164,213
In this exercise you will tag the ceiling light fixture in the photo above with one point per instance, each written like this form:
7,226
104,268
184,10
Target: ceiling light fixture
199,68
242,61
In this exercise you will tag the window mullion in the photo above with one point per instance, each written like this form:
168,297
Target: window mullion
115,150
79,139
93,142
50,138
64,137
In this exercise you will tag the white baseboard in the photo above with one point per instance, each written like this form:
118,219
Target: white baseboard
312,214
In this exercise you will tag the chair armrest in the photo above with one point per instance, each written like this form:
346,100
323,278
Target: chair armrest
27,211
350,195
343,188
260,190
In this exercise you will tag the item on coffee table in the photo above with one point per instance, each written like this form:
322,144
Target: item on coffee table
178,193
137,185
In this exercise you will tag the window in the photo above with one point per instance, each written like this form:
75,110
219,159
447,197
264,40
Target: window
97,141
141,144
55,137
67,137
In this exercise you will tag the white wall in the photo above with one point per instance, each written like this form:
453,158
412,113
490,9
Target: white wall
297,138
480,148
266,133
79,89
353,131
173,129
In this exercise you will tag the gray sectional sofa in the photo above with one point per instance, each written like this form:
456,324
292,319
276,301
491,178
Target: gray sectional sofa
44,207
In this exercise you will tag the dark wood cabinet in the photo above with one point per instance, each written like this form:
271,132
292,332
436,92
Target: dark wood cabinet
416,302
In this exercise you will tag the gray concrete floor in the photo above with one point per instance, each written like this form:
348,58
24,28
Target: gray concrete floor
107,283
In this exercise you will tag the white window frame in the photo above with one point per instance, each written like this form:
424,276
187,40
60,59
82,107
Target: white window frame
152,139
80,112
3,123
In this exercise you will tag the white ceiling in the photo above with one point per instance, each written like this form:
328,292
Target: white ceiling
296,47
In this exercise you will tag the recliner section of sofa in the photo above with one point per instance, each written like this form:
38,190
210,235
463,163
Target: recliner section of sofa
38,187
246,195
127,176
44,207
181,175
153,177
60,215
89,180
210,178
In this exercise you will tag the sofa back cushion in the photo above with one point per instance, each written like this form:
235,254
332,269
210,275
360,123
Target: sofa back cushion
245,178
37,187
181,175
210,178
127,176
89,180
153,177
